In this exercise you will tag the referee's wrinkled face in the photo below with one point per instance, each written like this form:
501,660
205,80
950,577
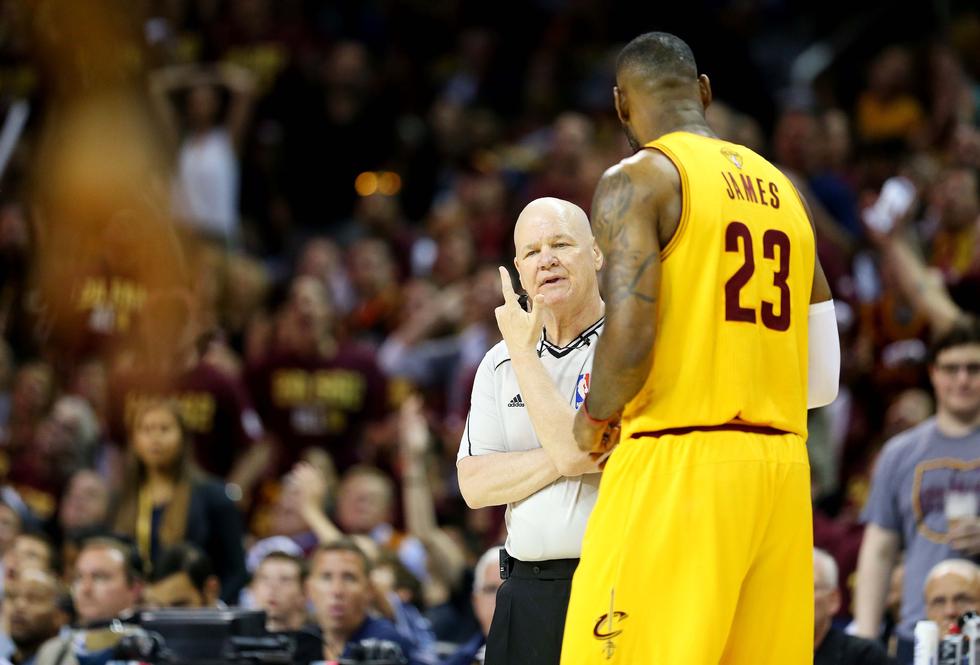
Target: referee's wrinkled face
555,253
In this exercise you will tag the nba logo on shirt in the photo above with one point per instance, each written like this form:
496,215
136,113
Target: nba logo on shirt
581,389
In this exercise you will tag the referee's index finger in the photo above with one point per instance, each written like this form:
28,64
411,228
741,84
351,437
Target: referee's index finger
506,287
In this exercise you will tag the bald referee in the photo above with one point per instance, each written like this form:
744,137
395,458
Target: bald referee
517,447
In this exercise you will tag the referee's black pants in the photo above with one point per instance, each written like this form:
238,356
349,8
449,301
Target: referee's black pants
529,620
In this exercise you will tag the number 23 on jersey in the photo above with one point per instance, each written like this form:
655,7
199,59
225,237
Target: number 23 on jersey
774,315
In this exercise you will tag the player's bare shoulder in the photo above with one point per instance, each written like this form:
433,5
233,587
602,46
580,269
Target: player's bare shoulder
646,184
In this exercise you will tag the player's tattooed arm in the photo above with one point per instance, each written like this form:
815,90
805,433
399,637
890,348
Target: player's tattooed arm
627,261
624,217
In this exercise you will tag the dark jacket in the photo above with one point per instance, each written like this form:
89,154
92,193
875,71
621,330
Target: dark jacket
215,525
839,648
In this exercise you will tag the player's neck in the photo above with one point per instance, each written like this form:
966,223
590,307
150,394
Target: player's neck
683,120
956,426
562,327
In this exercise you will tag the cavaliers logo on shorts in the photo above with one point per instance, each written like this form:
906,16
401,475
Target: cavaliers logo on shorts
609,626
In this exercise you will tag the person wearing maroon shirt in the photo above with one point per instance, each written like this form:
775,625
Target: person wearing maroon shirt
228,438
216,407
310,389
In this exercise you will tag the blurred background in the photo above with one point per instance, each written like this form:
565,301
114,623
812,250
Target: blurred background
287,215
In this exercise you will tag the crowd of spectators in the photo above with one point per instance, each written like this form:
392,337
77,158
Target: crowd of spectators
248,260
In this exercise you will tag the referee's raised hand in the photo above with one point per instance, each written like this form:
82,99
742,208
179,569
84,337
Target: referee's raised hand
521,330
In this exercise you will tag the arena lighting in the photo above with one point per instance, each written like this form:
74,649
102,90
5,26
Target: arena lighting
366,183
387,183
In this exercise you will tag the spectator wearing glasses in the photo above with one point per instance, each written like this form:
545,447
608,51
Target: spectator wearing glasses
923,493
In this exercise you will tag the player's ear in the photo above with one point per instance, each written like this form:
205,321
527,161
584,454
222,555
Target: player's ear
622,104
705,87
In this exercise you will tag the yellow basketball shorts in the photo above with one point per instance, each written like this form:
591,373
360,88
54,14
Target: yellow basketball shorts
698,552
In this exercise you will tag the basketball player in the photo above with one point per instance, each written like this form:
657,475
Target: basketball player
699,549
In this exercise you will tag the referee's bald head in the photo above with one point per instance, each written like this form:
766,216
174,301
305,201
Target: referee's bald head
578,221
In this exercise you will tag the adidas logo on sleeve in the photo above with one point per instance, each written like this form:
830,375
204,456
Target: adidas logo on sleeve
517,401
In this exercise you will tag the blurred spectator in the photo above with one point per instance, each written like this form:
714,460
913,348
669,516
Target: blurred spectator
165,500
565,171
923,493
68,438
85,503
886,109
374,276
226,434
277,588
30,550
209,138
313,390
445,558
956,244
365,505
952,588
31,397
831,646
403,593
486,582
39,608
321,259
418,352
195,370
183,577
107,585
339,588
108,581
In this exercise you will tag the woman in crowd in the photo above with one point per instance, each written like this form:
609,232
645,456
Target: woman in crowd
166,500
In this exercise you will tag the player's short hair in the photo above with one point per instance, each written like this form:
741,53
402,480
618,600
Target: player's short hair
658,54
963,333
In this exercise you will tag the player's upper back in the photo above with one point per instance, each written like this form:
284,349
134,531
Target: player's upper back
731,337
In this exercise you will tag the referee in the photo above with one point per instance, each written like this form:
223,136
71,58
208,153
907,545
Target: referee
517,448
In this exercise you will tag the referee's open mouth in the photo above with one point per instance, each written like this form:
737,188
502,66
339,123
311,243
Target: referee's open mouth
550,281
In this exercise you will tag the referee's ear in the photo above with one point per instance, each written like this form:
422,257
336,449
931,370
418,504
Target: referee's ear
598,259
517,269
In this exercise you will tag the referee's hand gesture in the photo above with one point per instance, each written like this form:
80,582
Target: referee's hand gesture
521,330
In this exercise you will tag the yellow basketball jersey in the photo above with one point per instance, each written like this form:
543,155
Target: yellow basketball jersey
731,335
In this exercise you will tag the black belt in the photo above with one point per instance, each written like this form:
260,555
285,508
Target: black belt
553,569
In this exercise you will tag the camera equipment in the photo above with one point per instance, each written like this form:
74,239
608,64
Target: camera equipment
203,637
375,652
229,637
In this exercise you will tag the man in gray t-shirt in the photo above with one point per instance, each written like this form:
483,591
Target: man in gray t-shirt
922,476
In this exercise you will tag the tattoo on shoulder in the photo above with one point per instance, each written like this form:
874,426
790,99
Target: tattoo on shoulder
626,266
612,199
